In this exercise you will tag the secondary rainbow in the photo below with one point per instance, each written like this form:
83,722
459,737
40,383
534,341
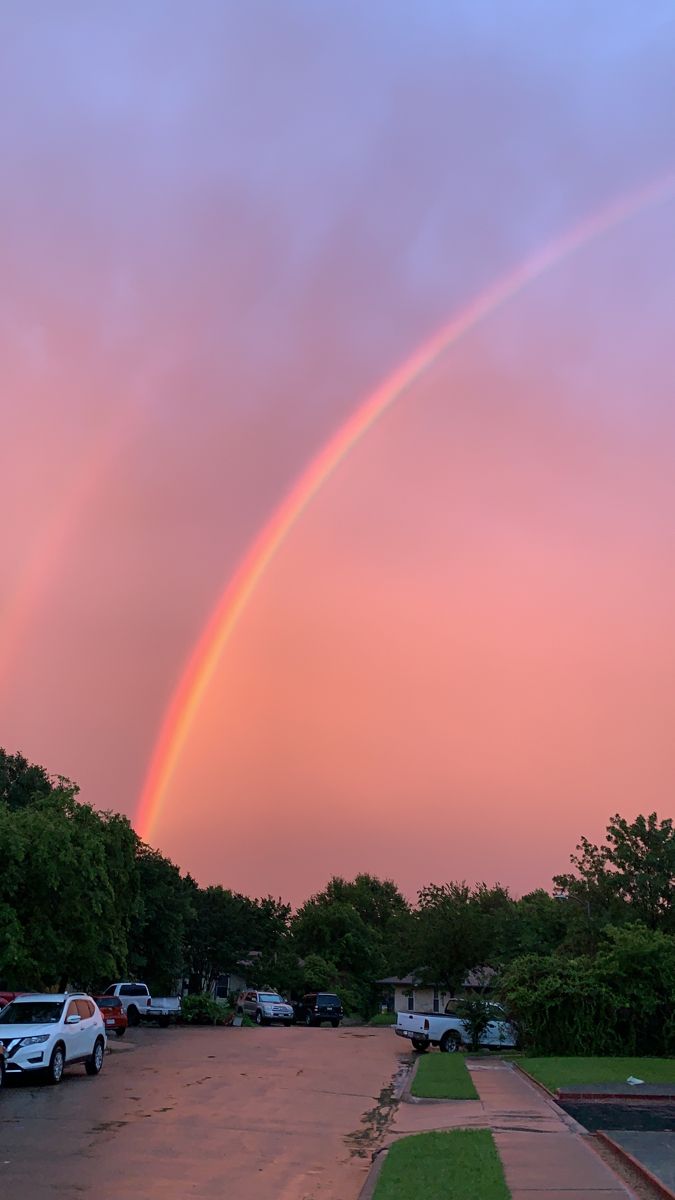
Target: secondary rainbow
234,598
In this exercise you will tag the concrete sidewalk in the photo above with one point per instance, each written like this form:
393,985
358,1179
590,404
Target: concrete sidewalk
544,1155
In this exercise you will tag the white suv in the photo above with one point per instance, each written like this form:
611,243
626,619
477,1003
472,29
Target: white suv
48,1033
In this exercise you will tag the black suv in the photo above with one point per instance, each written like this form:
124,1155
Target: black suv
316,1007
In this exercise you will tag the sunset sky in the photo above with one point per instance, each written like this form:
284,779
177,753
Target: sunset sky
223,226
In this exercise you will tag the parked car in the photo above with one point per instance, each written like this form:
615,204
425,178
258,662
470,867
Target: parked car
447,1030
48,1033
5,997
316,1007
139,1005
114,1017
265,1007
2,1064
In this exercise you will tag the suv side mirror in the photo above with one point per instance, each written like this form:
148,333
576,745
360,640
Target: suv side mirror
73,1020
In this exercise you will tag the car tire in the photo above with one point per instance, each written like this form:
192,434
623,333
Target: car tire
56,1066
259,1019
450,1043
308,1021
420,1044
133,1015
121,1032
94,1063
335,1024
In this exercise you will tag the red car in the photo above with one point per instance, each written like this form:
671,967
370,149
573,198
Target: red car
113,1014
6,997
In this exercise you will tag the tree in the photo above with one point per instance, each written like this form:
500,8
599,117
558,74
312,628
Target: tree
637,966
355,928
160,922
221,933
541,925
23,783
60,890
632,877
457,929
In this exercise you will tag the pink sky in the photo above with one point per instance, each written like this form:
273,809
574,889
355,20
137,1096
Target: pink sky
462,659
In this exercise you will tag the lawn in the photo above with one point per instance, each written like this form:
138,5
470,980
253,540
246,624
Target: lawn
567,1072
443,1077
459,1165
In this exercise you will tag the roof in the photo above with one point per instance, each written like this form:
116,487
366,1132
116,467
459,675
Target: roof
59,997
477,978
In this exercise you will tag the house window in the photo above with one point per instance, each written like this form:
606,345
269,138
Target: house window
437,1000
411,1001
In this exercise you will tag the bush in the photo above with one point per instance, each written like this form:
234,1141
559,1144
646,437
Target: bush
383,1018
203,1010
475,1013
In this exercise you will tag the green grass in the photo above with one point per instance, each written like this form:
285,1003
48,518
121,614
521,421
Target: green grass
566,1072
443,1077
385,1018
459,1165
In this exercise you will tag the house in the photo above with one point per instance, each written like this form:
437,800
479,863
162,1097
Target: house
408,993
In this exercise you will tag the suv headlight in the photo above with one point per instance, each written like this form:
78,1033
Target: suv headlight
33,1041
268,1008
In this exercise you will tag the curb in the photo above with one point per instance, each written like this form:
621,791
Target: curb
661,1188
573,1125
541,1087
626,1098
368,1190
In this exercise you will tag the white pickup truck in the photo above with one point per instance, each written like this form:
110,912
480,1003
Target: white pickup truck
448,1031
139,1005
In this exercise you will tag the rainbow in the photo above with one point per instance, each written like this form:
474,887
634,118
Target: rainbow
220,626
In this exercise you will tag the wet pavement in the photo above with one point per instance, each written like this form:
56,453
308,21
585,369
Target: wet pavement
247,1114
542,1153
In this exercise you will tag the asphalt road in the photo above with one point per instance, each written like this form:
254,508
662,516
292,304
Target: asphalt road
593,1115
242,1114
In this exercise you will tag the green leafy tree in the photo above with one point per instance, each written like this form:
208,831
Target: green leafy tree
541,925
457,929
221,934
61,892
160,923
632,877
637,966
354,926
23,783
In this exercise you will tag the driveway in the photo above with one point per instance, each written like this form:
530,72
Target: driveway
242,1114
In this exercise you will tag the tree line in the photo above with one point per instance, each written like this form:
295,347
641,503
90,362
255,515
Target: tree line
589,965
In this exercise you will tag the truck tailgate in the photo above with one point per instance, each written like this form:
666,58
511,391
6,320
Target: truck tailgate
410,1024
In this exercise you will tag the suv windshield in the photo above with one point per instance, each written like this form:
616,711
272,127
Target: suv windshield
270,997
32,1012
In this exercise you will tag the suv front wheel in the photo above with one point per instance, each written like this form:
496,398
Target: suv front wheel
56,1064
93,1065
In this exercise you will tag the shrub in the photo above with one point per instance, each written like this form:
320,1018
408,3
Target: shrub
475,1013
383,1018
203,1010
